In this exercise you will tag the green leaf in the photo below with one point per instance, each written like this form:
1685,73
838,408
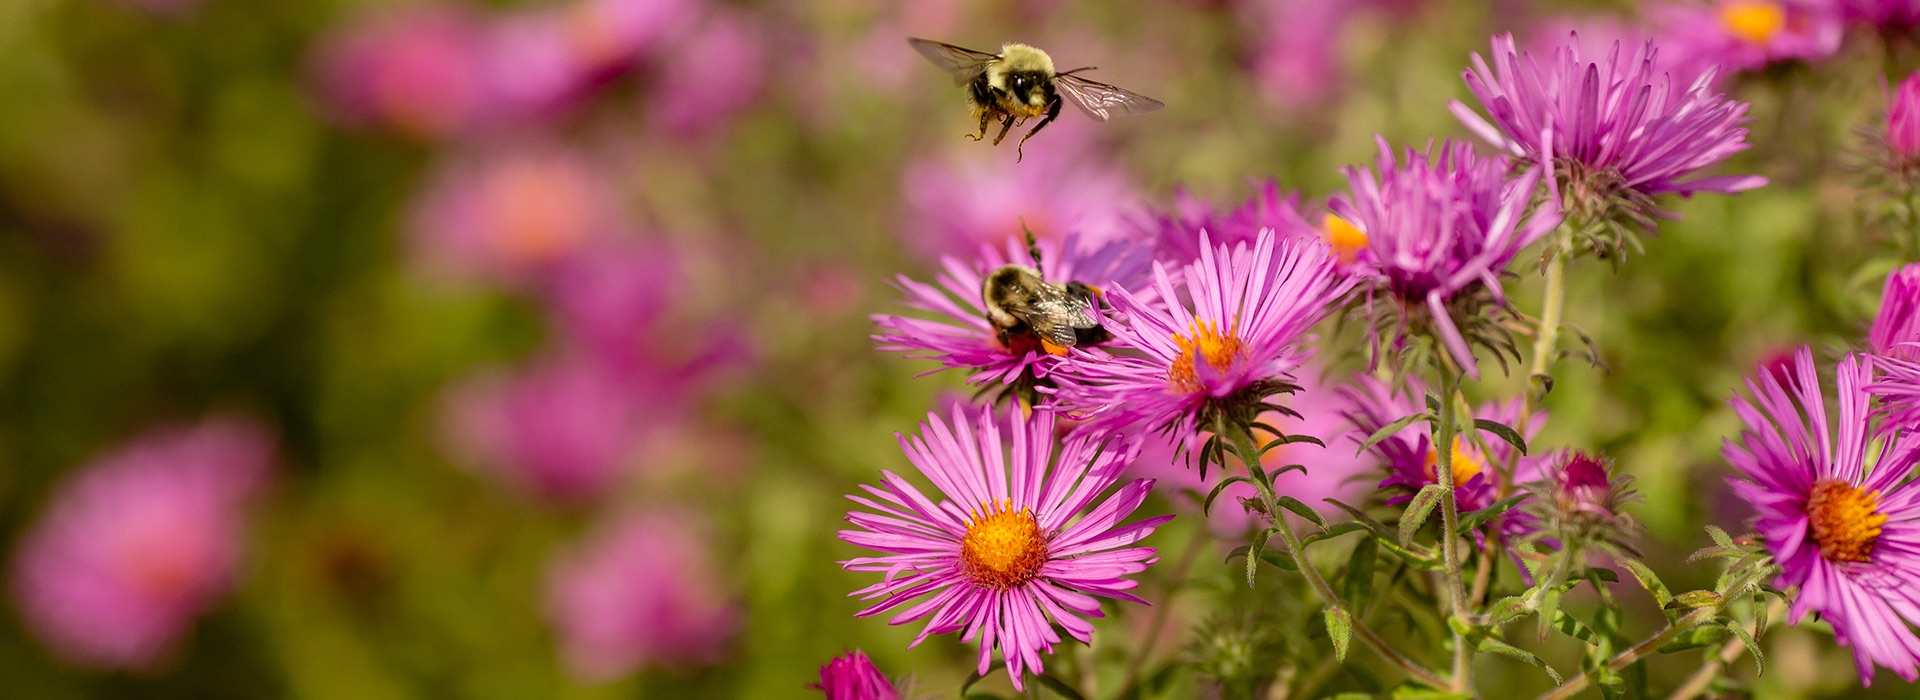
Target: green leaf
1502,431
1258,547
1059,687
1359,516
1698,637
1507,609
1301,509
1418,509
1387,431
1694,599
1413,556
1469,521
1719,536
1495,646
1357,587
1340,630
975,678
1277,471
1332,531
1648,580
1206,507
1574,628
1759,659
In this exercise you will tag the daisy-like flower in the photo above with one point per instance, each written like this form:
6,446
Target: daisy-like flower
958,334
1222,341
1839,522
1411,462
852,676
640,592
1896,329
1019,542
1440,230
1613,130
1902,135
1747,35
1177,233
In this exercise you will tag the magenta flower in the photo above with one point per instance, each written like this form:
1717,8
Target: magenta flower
622,305
1891,17
958,334
1479,476
852,676
532,67
141,541
1177,233
1903,125
419,70
1439,231
1896,329
1839,522
1746,35
1606,126
978,197
641,592
712,75
563,431
612,35
1237,345
1296,61
509,215
1019,543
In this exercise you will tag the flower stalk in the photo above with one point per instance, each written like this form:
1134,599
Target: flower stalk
1450,521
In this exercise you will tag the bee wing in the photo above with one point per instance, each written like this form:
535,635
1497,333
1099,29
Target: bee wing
1100,100
963,64
1048,321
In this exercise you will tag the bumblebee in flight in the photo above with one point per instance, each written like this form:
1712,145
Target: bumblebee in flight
1020,83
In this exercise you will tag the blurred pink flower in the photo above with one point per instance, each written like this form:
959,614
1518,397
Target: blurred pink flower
1296,60
611,35
1896,329
852,676
533,68
1890,16
621,305
140,542
558,430
418,69
1903,124
508,215
1743,35
711,75
640,592
980,196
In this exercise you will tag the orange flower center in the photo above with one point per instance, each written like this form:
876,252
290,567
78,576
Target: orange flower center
1208,344
1346,239
1846,520
1757,21
1466,463
1004,547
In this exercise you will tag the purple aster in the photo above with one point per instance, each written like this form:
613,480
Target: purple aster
1439,232
1177,233
1903,126
1891,17
1578,497
1226,338
712,75
1843,525
1896,329
1612,129
852,676
1018,543
1738,36
958,334
511,214
140,542
642,591
562,431
419,70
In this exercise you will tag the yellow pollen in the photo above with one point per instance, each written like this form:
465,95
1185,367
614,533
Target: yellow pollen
1347,240
1846,520
1466,463
1004,547
1208,343
1756,21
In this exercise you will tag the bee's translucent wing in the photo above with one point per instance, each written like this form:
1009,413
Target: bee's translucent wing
963,64
1102,101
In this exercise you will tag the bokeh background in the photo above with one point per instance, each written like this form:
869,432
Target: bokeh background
523,347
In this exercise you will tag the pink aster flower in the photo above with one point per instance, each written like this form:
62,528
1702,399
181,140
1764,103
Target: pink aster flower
1177,233
1896,329
641,592
509,215
612,35
563,431
622,305
852,676
532,68
1296,60
1018,544
1606,125
1746,35
712,75
1839,522
1479,476
958,335
139,542
981,197
1219,359
1891,17
1903,126
1439,230
419,70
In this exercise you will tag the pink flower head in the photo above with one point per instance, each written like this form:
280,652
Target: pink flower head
1839,521
714,74
533,70
958,334
641,592
510,215
141,541
1439,230
622,305
419,70
1177,233
1237,345
1903,125
1607,123
611,35
852,676
1018,543
1892,17
981,197
558,430
1296,60
1896,329
1479,476
1746,35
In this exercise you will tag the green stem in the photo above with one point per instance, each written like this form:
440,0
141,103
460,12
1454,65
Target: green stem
1450,523
1627,658
1243,444
1715,663
1554,302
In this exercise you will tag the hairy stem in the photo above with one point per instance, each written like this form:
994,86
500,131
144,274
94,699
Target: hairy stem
1450,523
1715,663
1627,658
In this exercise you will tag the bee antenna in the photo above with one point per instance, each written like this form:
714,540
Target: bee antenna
1033,247
1082,68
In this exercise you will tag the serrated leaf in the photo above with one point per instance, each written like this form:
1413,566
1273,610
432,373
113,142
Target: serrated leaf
1340,630
1059,687
1357,587
1388,430
1719,536
1759,659
1648,580
1418,509
1698,637
1694,599
1301,509
1716,553
1207,506
1502,431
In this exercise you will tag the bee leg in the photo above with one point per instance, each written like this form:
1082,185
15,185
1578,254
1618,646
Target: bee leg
1005,127
985,117
1053,110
